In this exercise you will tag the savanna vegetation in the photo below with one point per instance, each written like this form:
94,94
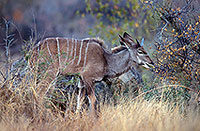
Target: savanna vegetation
167,97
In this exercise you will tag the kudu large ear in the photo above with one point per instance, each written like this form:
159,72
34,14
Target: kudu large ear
138,43
128,39
123,41
126,35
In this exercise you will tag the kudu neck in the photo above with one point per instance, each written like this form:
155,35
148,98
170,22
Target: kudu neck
118,63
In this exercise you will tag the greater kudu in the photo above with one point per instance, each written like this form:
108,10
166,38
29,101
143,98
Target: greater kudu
90,59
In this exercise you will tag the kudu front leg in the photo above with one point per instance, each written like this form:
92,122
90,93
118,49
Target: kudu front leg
81,95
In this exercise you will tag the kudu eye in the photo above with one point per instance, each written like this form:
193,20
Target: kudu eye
139,51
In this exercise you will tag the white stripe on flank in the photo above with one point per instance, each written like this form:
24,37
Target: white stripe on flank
79,58
67,53
74,50
48,48
86,50
58,47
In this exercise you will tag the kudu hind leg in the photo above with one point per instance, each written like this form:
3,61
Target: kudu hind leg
89,83
92,100
91,97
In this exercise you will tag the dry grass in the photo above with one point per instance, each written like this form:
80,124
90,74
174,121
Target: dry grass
147,116
22,114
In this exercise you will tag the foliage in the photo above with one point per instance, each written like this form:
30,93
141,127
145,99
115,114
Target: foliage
116,16
177,50
175,94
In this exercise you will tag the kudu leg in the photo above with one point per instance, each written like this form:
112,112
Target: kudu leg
81,95
80,98
92,99
89,84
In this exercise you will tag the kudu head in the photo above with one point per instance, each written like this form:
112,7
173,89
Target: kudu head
137,52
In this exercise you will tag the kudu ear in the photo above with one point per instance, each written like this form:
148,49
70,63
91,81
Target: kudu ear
123,41
126,35
128,39
138,43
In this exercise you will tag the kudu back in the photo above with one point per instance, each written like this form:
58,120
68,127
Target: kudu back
90,59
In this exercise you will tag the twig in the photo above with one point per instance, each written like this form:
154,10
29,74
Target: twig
161,32
7,47
3,75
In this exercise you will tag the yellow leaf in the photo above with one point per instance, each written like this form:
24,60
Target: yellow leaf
83,15
184,47
180,35
178,8
116,7
196,32
136,24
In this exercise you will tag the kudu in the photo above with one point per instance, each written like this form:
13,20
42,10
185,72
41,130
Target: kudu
90,59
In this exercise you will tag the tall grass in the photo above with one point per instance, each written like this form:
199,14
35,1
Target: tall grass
20,112
22,108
